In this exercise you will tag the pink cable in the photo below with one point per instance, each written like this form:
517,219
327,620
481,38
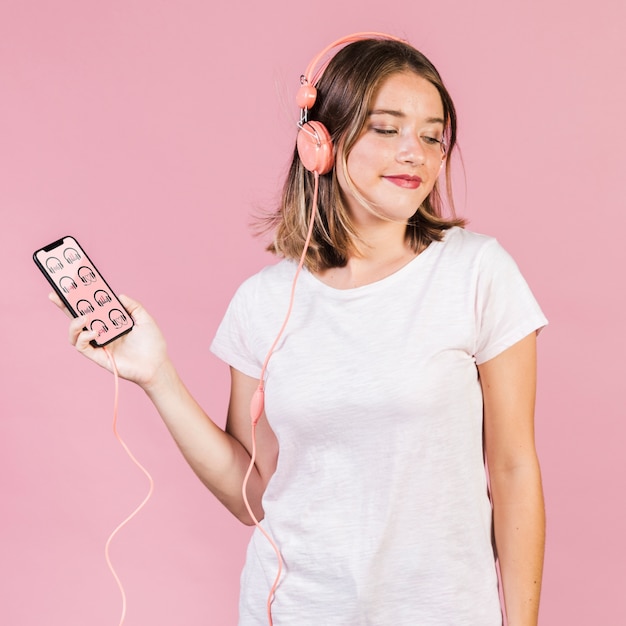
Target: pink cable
144,501
256,406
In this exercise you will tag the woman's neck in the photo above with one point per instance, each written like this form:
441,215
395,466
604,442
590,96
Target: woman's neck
379,255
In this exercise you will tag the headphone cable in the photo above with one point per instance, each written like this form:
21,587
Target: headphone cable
257,403
143,502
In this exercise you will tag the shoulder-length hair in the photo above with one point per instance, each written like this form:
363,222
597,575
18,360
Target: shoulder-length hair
344,93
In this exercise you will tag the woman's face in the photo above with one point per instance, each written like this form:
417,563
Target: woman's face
395,162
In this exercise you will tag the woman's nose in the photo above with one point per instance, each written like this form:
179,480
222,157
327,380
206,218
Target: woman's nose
411,150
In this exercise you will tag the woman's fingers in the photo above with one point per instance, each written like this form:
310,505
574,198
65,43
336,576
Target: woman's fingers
77,328
132,306
54,298
81,336
129,303
83,340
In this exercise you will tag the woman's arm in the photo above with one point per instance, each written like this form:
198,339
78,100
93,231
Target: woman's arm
508,384
220,458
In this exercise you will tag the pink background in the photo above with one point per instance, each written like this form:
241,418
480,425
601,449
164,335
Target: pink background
152,130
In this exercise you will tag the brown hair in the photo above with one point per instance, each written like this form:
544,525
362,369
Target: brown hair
344,93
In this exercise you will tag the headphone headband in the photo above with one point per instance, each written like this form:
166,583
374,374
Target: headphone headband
311,78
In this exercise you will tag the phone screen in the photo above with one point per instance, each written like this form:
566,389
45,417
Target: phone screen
83,289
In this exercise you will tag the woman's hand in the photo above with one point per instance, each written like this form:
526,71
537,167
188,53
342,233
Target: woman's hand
139,355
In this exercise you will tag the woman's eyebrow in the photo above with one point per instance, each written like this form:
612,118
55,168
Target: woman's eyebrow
394,113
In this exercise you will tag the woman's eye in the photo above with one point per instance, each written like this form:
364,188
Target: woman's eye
432,141
384,131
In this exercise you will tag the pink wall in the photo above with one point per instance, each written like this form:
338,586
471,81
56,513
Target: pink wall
151,130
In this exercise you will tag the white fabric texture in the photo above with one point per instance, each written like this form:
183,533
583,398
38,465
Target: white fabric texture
379,502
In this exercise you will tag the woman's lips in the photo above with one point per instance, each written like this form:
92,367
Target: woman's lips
405,181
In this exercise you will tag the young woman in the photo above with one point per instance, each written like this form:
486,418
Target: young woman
408,361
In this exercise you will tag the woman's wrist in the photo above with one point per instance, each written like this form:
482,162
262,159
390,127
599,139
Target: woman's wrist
163,378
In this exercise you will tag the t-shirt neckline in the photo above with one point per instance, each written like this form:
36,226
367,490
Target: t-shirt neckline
377,284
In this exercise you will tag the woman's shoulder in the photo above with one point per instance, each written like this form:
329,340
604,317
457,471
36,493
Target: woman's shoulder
273,272
468,239
468,252
460,243
274,276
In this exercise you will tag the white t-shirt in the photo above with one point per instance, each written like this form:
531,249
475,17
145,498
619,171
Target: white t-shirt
379,502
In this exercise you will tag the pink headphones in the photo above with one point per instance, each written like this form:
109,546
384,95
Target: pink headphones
315,147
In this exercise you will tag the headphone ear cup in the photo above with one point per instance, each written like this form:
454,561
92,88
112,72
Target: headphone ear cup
315,147
306,96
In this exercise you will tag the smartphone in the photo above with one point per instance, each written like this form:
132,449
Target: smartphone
82,288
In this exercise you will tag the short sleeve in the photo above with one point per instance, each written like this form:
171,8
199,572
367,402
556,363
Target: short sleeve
232,339
506,309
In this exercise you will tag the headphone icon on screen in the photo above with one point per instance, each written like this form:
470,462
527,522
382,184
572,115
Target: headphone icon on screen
71,255
53,264
84,307
86,275
67,284
118,318
101,297
99,326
